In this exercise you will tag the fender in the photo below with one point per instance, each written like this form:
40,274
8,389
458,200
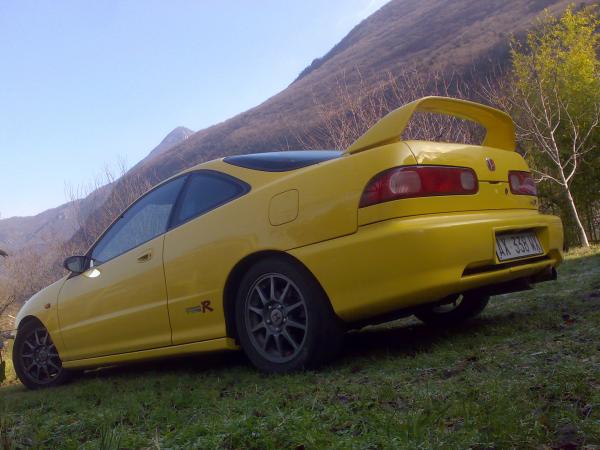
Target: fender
43,306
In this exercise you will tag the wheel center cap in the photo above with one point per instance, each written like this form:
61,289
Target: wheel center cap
42,355
276,317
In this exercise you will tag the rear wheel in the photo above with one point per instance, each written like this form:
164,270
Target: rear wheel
459,309
35,358
284,319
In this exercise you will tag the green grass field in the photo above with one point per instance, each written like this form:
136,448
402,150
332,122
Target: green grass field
526,374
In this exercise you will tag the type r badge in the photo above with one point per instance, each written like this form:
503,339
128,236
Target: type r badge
201,308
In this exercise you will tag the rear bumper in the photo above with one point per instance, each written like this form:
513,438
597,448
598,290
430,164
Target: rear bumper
401,263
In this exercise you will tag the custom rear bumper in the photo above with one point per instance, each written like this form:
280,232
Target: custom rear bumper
401,263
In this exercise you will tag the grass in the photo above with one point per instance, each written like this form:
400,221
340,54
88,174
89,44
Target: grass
526,374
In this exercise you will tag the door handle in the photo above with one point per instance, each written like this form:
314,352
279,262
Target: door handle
145,257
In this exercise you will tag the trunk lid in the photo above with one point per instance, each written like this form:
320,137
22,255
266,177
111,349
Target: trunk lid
490,164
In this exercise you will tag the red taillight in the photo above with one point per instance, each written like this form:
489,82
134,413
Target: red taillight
521,183
418,181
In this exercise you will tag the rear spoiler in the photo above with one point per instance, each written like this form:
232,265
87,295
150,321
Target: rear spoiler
500,129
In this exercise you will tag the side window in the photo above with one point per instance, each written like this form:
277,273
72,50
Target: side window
144,220
205,191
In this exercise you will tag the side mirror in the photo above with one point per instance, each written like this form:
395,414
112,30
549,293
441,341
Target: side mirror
76,264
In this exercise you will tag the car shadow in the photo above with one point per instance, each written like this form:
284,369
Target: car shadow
404,338
409,336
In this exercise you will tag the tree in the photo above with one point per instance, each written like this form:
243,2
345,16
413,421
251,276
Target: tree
6,300
554,96
358,106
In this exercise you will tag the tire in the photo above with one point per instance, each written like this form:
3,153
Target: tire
461,308
284,319
35,358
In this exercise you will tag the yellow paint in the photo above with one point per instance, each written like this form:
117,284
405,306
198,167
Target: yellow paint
123,309
499,126
369,261
402,262
284,207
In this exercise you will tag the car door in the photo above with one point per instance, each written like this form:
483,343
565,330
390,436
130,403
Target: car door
120,304
198,254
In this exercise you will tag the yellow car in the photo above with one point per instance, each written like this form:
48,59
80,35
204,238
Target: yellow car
279,253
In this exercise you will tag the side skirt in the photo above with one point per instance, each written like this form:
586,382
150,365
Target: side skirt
213,345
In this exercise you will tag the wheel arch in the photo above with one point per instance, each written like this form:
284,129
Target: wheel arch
237,273
30,318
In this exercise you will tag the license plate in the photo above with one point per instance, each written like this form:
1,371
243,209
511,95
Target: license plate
517,245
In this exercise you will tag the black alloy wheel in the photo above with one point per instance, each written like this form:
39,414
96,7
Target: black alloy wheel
284,319
36,359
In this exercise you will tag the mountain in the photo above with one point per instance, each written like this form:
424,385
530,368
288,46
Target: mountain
444,35
172,139
60,223
54,224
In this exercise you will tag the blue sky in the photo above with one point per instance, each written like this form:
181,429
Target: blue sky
86,84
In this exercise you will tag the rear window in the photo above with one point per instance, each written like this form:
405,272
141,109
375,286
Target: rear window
205,191
282,161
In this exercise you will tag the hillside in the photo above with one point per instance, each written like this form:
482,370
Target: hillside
427,34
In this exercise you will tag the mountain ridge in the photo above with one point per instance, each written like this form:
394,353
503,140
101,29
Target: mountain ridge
61,222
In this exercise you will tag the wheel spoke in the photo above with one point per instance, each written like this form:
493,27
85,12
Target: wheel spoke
255,310
258,326
285,291
272,293
263,299
47,373
288,338
38,371
26,355
266,342
37,338
289,309
278,344
293,323
31,346
45,341
51,364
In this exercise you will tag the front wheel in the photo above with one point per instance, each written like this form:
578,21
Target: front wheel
284,319
35,358
458,309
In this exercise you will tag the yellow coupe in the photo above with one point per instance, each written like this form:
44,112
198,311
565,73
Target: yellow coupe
279,253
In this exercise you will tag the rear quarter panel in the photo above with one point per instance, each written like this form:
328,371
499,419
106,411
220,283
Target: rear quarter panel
200,255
